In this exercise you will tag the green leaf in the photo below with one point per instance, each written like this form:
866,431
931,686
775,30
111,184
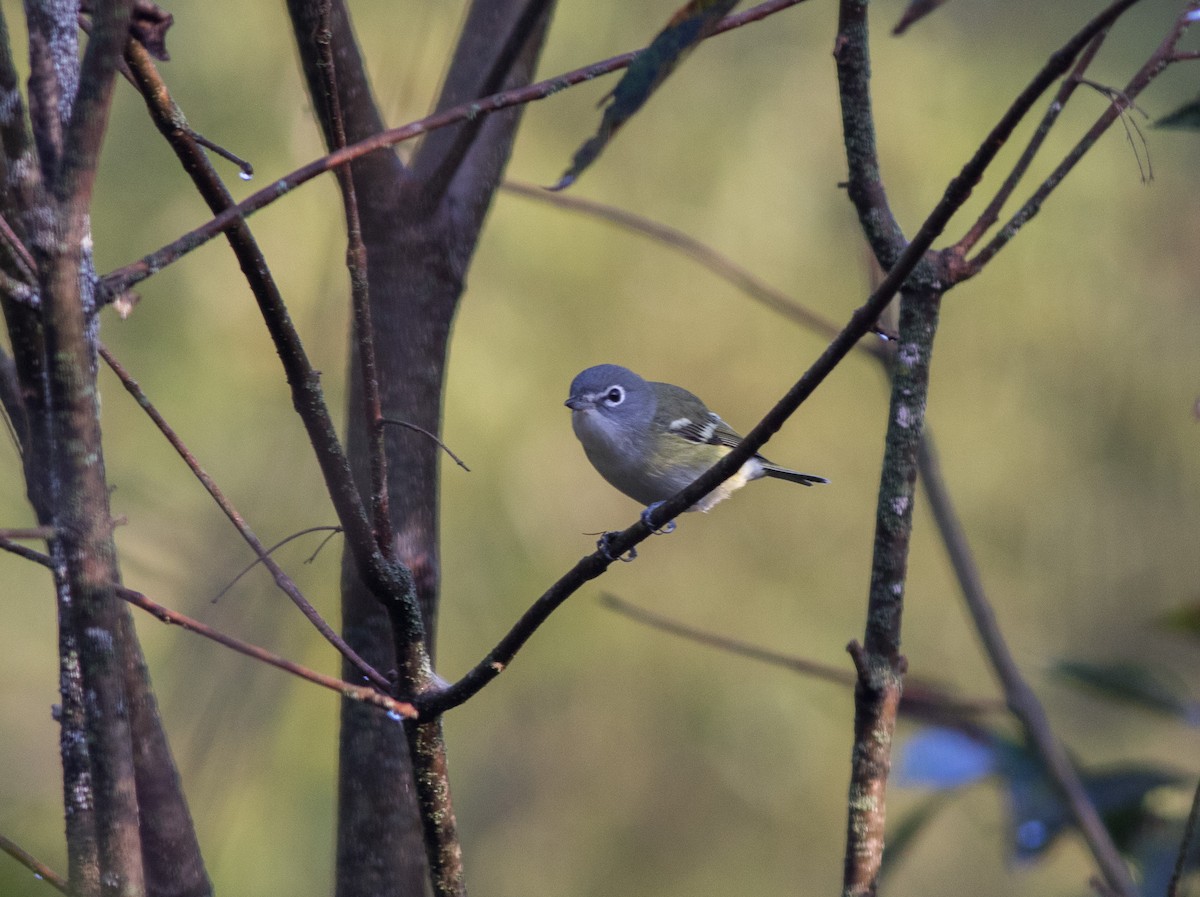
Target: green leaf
1186,117
649,69
1133,684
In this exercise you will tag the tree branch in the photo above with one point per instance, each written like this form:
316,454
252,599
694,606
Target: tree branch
390,582
36,866
698,251
122,279
78,488
991,214
922,700
441,157
285,583
1021,699
1153,67
356,262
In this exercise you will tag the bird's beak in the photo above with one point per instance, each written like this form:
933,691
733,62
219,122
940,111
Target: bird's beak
577,403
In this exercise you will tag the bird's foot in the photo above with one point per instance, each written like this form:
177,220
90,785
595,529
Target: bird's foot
668,527
603,545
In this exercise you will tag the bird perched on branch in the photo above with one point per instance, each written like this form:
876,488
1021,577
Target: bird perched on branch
652,439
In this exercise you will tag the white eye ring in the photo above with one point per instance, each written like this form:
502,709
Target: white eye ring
615,396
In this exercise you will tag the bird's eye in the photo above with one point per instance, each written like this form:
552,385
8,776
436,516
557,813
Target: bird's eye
614,396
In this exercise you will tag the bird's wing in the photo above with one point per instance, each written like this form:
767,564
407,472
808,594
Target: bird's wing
707,428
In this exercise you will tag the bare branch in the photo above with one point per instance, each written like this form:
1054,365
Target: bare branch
34,865
1021,699
991,214
286,584
356,262
1162,57
122,279
411,426
286,540
391,583
700,252
921,700
346,689
37,532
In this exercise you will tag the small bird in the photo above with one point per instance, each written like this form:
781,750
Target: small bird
652,439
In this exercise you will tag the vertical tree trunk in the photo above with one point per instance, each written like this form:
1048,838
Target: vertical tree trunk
420,226
127,824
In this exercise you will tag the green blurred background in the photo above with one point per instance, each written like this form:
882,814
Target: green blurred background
611,759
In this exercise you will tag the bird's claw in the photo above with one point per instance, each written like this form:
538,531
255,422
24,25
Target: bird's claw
668,527
602,545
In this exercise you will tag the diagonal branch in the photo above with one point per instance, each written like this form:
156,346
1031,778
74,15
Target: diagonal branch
174,618
286,584
698,251
1020,697
36,866
991,214
345,689
122,279
1162,57
922,700
391,583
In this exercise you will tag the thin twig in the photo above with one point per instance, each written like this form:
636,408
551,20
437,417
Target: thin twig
698,251
34,865
1162,57
991,214
360,299
1125,105
349,690
274,548
411,426
333,531
920,699
245,169
123,278
1185,844
28,533
390,582
24,551
346,689
282,580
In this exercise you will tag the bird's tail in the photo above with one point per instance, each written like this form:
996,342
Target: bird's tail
792,476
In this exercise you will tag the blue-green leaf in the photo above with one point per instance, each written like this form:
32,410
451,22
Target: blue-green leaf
649,69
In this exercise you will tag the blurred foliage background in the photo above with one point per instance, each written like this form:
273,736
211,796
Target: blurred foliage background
611,759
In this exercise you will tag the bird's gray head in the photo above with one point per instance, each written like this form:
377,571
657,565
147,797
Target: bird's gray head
613,393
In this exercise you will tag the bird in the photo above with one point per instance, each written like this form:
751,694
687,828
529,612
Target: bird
651,439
